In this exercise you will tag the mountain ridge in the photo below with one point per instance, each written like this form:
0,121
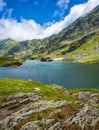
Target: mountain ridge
56,45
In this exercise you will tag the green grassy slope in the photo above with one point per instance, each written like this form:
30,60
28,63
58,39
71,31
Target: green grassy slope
9,86
7,45
88,50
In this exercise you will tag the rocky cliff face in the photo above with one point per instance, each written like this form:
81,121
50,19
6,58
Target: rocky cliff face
30,111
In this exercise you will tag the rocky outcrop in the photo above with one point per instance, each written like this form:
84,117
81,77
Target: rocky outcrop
87,115
21,98
38,125
12,121
16,63
29,111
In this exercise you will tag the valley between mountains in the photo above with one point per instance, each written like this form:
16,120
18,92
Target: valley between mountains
78,42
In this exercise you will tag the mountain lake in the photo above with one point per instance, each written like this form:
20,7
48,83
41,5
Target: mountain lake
67,74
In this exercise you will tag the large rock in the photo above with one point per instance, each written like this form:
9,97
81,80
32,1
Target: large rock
84,95
24,105
20,98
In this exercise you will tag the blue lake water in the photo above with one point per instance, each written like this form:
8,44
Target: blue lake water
70,75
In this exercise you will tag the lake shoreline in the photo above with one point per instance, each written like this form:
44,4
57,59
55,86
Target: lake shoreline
69,74
8,62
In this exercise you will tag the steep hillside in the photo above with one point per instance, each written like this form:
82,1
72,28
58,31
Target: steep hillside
7,45
79,40
82,26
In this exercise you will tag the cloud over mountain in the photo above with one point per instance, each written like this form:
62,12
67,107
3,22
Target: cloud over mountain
29,29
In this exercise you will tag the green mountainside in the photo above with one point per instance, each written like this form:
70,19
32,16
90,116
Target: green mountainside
79,41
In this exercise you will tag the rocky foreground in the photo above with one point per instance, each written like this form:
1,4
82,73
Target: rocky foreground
32,111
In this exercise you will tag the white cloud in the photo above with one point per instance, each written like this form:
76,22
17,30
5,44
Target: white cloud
7,13
2,5
63,5
26,29
29,29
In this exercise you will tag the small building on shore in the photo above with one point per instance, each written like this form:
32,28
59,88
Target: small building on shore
46,59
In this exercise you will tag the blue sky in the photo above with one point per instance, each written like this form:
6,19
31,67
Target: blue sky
32,19
41,11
